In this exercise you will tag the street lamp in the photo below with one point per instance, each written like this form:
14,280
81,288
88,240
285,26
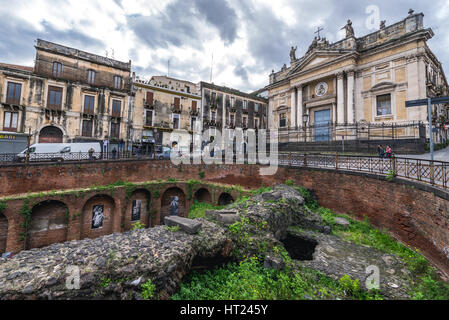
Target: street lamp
305,119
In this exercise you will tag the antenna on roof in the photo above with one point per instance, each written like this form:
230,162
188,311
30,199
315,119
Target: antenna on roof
211,67
168,68
106,53
112,54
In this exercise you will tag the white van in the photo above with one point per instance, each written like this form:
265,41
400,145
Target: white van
61,152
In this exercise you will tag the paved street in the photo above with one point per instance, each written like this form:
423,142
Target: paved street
441,155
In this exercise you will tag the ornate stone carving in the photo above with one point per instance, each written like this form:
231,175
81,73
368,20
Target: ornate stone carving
349,29
293,54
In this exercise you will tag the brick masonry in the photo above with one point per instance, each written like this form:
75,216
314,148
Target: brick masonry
416,214
68,216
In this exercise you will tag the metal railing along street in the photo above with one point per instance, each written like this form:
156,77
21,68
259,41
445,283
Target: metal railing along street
435,173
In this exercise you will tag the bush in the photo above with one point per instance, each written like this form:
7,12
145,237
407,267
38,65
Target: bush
148,289
138,225
249,280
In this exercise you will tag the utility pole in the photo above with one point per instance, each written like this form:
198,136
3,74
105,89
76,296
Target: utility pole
429,111
211,67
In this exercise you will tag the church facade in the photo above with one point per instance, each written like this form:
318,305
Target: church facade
357,81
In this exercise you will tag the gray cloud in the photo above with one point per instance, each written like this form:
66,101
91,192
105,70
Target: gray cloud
221,15
193,24
17,39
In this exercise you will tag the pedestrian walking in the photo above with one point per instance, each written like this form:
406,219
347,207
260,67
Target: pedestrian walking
380,151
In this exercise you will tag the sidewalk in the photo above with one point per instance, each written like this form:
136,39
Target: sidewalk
440,155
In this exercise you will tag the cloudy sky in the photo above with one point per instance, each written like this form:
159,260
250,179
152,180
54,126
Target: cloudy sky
247,38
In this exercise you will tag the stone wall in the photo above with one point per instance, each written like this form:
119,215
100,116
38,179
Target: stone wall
16,179
68,215
414,213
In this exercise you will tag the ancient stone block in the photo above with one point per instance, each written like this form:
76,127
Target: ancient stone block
187,225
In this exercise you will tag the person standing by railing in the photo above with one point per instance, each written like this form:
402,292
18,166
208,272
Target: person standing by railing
388,152
91,153
380,151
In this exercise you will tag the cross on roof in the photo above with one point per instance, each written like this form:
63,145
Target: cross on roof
318,32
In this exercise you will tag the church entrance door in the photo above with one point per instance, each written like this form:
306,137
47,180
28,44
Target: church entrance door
322,121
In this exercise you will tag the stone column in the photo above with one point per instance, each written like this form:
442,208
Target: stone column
351,82
293,109
340,99
299,107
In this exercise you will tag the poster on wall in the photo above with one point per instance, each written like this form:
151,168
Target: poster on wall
97,218
174,206
137,208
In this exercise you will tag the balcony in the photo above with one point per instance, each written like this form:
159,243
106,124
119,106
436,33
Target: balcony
194,112
245,110
13,101
116,114
55,107
148,104
89,111
213,106
176,108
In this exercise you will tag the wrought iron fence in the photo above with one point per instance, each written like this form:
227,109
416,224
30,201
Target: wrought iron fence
328,132
12,158
435,173
432,172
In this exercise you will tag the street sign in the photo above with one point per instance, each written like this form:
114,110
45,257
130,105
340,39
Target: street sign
416,103
423,102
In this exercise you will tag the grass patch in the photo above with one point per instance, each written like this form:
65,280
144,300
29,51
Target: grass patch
249,280
198,209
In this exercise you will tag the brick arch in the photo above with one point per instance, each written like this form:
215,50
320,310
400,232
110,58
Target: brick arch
166,200
144,196
48,224
51,134
203,195
3,233
225,199
97,204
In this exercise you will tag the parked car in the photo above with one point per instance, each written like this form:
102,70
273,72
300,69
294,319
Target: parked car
164,154
61,152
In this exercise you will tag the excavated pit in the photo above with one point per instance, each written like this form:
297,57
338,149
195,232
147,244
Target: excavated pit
300,248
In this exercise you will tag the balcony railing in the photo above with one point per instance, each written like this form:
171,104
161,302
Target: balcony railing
176,108
148,104
194,112
12,101
54,107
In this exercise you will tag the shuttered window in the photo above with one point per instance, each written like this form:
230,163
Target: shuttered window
87,128
150,98
54,100
14,92
89,104
116,108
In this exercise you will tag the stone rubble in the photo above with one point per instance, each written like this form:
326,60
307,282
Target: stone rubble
116,266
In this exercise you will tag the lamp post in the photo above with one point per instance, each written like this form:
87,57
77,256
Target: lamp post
305,119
